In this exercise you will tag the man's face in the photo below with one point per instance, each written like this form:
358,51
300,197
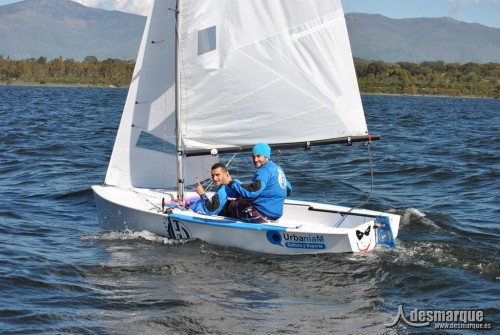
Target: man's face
219,176
259,160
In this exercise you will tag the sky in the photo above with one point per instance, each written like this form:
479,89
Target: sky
486,12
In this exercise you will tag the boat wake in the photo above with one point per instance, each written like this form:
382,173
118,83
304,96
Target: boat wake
433,240
412,216
128,235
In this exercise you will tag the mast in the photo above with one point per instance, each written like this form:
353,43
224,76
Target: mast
178,129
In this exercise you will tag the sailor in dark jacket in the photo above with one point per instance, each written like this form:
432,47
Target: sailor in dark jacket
217,203
264,197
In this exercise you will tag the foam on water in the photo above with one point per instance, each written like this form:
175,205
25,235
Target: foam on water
131,235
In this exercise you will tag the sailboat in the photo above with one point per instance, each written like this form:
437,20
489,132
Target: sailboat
216,77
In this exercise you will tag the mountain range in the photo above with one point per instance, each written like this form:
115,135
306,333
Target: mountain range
63,28
376,37
53,28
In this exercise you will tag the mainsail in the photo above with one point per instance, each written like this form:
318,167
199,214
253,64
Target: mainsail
275,71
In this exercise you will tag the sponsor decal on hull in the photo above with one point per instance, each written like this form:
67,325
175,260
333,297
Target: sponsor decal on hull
177,230
364,239
296,241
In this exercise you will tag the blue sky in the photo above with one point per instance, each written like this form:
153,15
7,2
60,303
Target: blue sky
486,12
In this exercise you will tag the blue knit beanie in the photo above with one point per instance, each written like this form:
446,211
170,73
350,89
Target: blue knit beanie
262,149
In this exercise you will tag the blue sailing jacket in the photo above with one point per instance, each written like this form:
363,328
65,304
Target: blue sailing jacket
268,190
215,204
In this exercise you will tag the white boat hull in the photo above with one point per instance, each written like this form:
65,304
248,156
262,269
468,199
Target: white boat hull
304,228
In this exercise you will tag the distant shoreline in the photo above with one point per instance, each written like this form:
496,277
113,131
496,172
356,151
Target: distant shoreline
430,95
431,78
34,84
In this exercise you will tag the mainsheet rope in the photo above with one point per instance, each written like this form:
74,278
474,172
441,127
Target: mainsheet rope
344,215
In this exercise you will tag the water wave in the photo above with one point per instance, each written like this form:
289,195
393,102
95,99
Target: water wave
60,273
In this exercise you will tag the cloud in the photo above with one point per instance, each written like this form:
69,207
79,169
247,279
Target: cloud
140,7
457,6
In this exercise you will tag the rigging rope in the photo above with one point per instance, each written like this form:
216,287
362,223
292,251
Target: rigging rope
344,215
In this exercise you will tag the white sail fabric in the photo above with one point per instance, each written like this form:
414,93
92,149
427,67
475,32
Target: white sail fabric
275,71
149,114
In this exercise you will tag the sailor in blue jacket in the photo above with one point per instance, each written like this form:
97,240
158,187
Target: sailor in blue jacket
264,197
216,204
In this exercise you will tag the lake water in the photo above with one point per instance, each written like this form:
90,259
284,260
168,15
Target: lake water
437,165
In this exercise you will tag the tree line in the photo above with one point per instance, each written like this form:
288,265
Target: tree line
89,72
429,78
376,77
